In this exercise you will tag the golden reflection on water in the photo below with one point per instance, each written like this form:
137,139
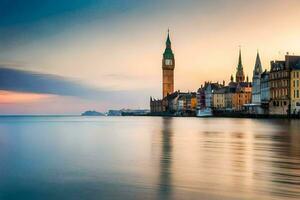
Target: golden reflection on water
229,159
149,158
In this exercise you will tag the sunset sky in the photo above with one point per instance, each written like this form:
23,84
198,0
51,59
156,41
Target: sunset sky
65,57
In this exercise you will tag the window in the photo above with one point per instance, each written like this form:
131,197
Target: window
297,93
284,103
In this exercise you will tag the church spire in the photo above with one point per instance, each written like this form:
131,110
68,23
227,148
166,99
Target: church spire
240,76
240,65
258,67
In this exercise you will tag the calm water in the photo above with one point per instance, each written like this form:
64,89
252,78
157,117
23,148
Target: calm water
148,158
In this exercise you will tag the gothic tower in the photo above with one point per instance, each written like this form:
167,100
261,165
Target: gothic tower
240,76
168,65
256,81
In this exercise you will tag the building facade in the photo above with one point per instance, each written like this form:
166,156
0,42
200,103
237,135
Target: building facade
256,93
208,93
242,96
156,105
201,97
295,89
219,99
265,92
279,88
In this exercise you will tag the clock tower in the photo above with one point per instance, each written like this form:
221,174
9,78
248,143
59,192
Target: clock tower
168,65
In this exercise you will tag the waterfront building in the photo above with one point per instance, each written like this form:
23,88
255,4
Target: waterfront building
295,88
171,102
240,76
156,105
230,90
256,93
239,92
219,98
168,65
190,102
242,96
209,90
181,103
265,92
280,87
201,97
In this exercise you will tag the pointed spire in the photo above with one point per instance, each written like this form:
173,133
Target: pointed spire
168,54
240,65
231,78
240,76
168,42
258,67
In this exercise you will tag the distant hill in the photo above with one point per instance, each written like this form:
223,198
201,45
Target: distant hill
92,113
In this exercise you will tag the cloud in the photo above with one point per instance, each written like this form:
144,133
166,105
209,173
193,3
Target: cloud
32,82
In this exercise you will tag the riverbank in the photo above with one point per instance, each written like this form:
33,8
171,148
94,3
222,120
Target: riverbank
229,115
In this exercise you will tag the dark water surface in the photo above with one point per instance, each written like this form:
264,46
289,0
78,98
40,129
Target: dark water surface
148,158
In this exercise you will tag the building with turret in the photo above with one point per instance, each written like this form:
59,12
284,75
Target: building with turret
257,71
240,76
242,88
168,66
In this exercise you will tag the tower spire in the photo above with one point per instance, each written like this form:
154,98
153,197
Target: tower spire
240,76
240,64
168,42
258,67
168,65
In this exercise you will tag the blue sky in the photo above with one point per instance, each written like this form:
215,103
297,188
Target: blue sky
116,46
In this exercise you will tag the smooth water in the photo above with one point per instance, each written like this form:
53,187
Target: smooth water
148,158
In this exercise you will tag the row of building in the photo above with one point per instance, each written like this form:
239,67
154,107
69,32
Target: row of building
271,92
274,92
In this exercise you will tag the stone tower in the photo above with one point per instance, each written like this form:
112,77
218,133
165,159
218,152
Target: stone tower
168,65
256,81
240,76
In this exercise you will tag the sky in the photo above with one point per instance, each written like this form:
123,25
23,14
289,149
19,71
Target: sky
65,57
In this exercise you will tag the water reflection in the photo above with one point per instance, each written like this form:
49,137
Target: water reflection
165,182
260,160
149,158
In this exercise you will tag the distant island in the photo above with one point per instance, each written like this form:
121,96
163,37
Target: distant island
92,113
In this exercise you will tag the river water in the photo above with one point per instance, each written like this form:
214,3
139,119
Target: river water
148,158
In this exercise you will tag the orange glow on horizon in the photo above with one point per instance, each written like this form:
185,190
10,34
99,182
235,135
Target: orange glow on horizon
8,97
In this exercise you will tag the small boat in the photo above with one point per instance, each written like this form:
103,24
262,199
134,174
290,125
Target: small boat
207,112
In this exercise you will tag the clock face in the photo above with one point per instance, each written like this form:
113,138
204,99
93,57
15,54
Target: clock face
168,62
